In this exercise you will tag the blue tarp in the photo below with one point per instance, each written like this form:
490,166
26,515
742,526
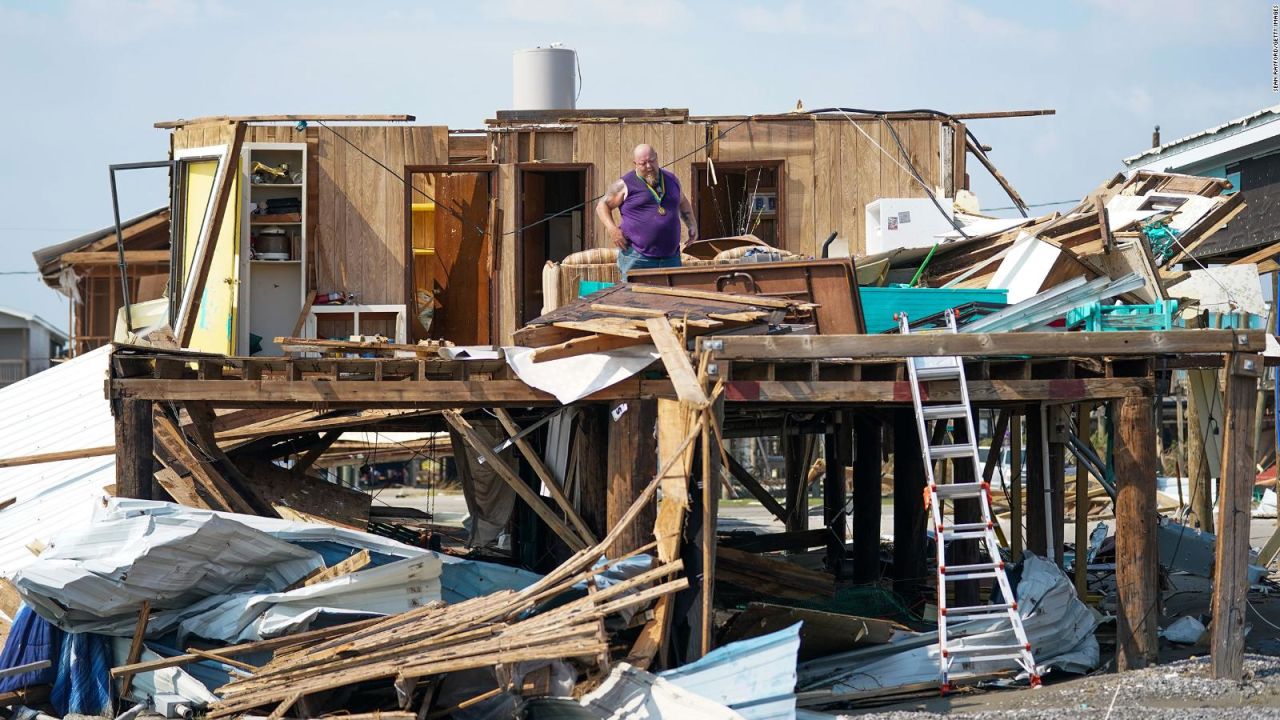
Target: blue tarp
31,639
83,683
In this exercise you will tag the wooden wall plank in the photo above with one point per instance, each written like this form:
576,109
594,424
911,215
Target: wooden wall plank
554,147
826,180
393,206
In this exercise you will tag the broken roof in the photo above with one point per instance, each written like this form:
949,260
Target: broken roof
1209,143
46,255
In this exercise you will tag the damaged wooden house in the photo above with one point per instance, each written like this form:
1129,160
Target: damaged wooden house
848,304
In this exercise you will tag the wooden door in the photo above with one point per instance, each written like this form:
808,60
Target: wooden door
533,243
462,259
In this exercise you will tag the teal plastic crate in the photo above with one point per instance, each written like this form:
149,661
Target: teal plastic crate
880,304
1097,317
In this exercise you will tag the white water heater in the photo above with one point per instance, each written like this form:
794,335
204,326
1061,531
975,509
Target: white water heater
544,78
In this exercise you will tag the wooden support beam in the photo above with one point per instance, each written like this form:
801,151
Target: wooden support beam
444,394
433,394
908,506
705,537
483,447
1032,344
133,257
194,285
172,447
1015,487
1036,481
633,460
978,152
548,479
202,416
796,453
867,470
134,450
1084,428
837,449
1137,553
753,486
309,458
1231,555
591,465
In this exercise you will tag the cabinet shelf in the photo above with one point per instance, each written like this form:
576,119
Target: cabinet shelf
256,186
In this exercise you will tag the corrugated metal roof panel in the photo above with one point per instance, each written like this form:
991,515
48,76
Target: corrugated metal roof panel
62,408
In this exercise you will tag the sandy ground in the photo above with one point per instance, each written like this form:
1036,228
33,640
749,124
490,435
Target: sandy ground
1181,690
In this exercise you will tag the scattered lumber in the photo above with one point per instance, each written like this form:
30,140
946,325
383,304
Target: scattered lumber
770,577
620,316
482,632
363,345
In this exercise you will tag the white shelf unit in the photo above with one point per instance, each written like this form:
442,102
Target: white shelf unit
272,292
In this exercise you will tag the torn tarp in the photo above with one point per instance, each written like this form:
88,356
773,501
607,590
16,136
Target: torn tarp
574,378
1059,627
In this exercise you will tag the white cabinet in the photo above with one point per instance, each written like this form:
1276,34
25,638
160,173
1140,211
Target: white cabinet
273,244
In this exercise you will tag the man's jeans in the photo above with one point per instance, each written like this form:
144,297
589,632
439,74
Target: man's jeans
629,260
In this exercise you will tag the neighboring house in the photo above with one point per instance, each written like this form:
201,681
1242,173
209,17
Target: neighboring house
28,344
87,270
401,215
1246,152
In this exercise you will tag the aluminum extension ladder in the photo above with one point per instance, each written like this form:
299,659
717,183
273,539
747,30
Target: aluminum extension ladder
926,369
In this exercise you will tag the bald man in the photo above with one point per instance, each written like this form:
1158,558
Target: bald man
649,201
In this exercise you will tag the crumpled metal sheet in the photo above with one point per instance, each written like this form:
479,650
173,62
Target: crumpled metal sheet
105,570
1058,626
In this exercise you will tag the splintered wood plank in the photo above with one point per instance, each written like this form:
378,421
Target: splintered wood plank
344,567
676,360
584,345
675,421
49,457
212,487
544,473
705,295
605,326
135,645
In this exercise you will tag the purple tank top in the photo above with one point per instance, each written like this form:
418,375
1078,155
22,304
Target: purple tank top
651,233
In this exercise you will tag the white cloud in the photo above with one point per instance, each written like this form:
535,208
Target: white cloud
622,17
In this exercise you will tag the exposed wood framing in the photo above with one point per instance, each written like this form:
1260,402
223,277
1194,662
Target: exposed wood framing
483,447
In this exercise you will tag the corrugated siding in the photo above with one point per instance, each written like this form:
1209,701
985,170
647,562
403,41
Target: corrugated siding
63,408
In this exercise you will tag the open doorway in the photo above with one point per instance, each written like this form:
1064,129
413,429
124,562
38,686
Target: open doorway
553,222
739,198
450,243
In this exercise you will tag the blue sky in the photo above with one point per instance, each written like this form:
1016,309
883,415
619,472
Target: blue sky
83,80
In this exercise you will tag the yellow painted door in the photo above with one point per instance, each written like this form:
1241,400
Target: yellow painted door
215,328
